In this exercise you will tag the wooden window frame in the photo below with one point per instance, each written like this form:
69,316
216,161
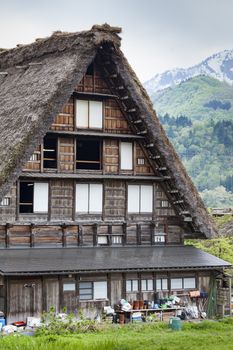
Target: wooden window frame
131,281
182,281
33,199
146,280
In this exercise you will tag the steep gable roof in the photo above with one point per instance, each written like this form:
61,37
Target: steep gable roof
35,82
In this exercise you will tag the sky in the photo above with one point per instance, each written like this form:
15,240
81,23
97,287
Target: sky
157,35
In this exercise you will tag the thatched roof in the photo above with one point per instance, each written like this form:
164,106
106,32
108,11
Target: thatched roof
37,79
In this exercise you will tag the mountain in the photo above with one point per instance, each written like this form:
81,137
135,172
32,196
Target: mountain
199,98
218,66
197,115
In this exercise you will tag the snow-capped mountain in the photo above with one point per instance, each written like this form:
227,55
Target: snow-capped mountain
218,66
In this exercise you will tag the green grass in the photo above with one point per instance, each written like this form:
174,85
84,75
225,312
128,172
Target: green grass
207,335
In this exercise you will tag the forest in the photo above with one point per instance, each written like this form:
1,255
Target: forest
206,149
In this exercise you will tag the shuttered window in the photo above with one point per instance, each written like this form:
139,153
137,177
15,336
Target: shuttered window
126,156
89,114
89,198
140,199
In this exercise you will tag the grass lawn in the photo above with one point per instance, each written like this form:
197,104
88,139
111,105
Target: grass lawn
206,335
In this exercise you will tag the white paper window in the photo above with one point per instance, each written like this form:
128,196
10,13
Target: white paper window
161,284
140,199
133,199
82,112
95,114
69,287
82,198
146,199
176,283
189,282
102,240
126,156
89,114
41,192
89,198
96,198
132,286
100,290
147,285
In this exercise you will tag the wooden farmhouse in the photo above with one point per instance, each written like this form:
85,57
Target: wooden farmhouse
95,203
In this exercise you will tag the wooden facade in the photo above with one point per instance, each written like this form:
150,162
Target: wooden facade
125,201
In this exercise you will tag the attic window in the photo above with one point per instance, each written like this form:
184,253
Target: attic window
88,154
89,114
33,197
140,161
50,152
5,202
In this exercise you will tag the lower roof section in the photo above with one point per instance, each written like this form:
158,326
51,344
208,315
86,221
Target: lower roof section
85,260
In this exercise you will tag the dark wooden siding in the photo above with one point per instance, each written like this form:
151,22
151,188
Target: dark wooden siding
115,204
62,193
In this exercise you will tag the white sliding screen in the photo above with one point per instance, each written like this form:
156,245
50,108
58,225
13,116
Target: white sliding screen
146,201
82,111
40,200
89,198
81,198
100,290
95,114
133,198
126,156
140,199
96,198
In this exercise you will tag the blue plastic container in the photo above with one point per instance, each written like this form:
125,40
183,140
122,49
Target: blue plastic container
2,322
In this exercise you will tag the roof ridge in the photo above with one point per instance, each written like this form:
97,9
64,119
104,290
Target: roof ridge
58,41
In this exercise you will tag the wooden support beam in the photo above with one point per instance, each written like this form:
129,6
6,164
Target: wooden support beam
124,229
113,76
95,233
188,219
185,212
63,235
163,168
32,236
149,145
155,157
138,121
